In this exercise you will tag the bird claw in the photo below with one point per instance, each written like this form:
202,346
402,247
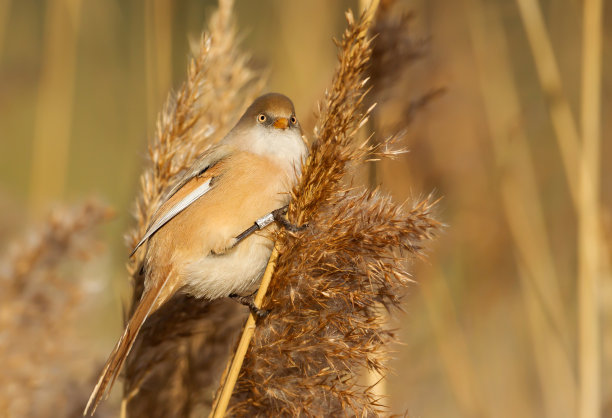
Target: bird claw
249,301
279,217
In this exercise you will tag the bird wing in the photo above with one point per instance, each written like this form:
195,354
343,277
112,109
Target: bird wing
194,195
201,165
200,168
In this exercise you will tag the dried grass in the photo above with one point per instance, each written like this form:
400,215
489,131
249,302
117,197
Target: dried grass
41,299
325,328
183,345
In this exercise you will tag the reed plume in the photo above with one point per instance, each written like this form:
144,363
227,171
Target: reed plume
325,328
182,347
41,299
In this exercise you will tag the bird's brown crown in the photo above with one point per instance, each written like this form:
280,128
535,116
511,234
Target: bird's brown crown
275,104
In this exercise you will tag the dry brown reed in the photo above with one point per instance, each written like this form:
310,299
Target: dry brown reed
41,300
564,124
183,346
325,328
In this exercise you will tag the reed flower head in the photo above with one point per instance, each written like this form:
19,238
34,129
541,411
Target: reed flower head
325,327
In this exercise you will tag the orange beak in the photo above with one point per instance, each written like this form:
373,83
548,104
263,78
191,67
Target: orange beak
281,123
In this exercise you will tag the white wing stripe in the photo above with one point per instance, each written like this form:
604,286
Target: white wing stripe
198,192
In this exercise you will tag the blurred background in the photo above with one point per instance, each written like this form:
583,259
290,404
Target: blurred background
511,312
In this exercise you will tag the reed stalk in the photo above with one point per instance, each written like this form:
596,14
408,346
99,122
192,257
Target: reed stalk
230,376
589,216
564,124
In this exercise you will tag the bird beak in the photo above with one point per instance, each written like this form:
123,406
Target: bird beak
281,123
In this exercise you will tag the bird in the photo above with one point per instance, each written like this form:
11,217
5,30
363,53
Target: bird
194,242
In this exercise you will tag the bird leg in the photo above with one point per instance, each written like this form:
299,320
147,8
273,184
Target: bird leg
250,302
261,223
224,247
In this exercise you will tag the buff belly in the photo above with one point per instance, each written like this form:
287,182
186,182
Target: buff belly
237,271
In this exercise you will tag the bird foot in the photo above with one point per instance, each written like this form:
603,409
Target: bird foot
279,216
250,302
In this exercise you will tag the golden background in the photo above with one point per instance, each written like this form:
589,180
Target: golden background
491,327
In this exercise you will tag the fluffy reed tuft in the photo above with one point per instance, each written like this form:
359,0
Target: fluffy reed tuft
181,348
40,302
325,328
340,117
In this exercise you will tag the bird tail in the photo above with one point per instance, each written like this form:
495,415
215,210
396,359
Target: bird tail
147,305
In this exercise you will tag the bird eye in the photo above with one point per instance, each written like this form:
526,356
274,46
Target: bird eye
261,118
293,120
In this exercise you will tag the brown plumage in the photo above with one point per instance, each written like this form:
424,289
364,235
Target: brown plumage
247,175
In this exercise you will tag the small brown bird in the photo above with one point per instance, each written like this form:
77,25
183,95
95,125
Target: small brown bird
191,242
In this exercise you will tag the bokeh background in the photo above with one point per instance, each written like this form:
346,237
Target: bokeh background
492,327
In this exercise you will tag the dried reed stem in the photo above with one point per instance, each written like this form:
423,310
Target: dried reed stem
589,237
231,375
563,121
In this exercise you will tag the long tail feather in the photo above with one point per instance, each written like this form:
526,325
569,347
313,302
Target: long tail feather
147,305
